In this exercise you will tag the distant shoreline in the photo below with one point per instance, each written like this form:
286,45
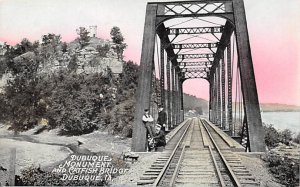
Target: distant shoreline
281,111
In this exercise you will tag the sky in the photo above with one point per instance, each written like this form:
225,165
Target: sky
273,27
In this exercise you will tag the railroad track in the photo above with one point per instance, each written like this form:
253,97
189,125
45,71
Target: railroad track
198,155
154,171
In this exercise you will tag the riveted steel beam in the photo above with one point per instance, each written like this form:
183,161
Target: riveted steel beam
248,83
196,69
205,64
194,45
145,79
229,90
195,56
224,41
166,43
194,30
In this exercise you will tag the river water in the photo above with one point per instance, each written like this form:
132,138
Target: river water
283,120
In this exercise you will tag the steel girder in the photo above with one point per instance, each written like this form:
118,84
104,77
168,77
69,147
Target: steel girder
198,64
194,30
195,69
194,45
145,80
168,10
195,56
195,75
229,90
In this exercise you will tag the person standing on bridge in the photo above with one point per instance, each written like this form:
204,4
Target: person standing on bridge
162,118
147,120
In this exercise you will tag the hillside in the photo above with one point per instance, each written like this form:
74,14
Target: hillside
193,103
276,107
77,87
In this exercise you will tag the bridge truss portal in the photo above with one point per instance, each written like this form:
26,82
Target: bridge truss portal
211,59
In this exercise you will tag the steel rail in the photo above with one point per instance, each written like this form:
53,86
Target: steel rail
173,179
172,136
233,177
161,174
221,179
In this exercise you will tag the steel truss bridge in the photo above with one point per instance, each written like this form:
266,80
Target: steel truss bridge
221,55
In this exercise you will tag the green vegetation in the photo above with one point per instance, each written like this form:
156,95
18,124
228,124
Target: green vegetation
194,103
284,169
83,36
76,103
273,137
103,50
297,138
118,39
73,101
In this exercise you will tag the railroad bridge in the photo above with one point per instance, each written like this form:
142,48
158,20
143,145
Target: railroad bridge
201,39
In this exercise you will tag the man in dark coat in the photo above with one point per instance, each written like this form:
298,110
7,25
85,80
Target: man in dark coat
162,118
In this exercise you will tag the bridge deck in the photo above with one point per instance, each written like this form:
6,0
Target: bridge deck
233,144
193,156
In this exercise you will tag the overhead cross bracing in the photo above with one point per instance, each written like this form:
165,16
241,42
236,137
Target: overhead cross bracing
197,69
199,39
194,30
194,56
194,45
188,8
199,64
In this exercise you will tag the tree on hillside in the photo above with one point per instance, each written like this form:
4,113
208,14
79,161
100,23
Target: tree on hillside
116,35
199,110
72,66
118,39
3,66
272,136
84,37
51,39
64,47
50,46
24,46
286,136
129,75
103,50
76,102
22,97
297,138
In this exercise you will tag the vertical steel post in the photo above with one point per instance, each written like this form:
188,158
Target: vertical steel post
223,93
144,83
162,75
249,90
181,100
169,93
219,110
215,98
177,99
173,97
229,89
210,99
